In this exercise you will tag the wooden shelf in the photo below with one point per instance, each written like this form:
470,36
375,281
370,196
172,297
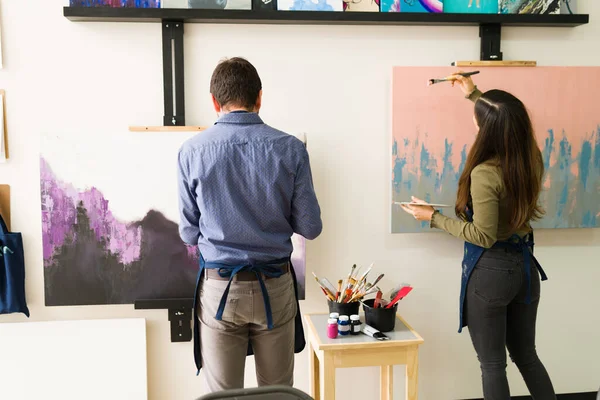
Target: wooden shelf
316,17
166,128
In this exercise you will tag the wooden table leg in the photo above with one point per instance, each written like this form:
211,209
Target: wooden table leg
315,375
387,382
412,373
328,376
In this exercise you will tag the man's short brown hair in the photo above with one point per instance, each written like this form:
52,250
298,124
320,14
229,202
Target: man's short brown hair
235,82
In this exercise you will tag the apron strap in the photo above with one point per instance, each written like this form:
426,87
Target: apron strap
270,270
3,228
525,245
197,356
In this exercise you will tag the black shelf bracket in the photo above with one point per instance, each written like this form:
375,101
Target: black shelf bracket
173,76
180,315
490,35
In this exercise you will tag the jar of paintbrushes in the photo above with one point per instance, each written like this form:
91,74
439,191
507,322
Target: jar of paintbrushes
345,297
381,313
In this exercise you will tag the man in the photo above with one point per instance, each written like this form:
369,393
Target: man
244,189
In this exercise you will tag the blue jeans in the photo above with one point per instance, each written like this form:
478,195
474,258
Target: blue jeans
498,319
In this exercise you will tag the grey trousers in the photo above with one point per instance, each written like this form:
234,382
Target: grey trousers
224,343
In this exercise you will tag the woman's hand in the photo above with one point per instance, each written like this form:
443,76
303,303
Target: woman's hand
421,213
464,82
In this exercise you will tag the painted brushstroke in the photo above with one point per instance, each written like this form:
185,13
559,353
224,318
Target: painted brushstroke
116,3
433,130
91,257
432,6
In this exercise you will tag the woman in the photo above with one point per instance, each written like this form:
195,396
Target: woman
497,198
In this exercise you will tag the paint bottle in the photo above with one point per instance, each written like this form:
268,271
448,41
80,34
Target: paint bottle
355,325
335,316
343,325
332,328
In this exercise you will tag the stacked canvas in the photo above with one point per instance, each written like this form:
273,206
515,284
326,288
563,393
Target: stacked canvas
427,6
471,6
311,5
116,3
529,6
209,4
503,6
409,6
202,4
361,5
418,6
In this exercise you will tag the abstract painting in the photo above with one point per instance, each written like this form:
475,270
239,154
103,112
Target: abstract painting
209,4
361,5
418,6
529,6
310,5
92,256
471,6
433,129
116,3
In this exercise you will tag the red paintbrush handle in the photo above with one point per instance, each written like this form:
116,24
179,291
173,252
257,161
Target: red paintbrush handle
401,294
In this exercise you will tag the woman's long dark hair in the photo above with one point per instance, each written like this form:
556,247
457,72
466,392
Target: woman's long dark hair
506,137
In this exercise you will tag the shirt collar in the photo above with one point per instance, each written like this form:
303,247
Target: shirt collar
240,118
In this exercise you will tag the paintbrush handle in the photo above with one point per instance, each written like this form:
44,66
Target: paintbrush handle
377,299
377,280
463,74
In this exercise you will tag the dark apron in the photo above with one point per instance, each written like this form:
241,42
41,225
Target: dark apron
473,253
270,269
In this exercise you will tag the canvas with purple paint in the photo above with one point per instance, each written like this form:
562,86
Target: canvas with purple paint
104,245
433,130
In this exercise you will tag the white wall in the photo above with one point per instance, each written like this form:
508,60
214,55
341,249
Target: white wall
95,79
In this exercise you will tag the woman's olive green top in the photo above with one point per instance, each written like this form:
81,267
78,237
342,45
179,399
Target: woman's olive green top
490,213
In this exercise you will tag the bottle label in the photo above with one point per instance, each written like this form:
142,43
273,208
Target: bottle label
344,329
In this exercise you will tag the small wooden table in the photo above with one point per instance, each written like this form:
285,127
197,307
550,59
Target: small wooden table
361,351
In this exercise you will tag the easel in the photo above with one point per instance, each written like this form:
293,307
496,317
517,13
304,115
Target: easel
494,64
5,204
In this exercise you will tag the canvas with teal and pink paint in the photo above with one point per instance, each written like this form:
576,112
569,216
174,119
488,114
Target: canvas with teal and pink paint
414,6
433,129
